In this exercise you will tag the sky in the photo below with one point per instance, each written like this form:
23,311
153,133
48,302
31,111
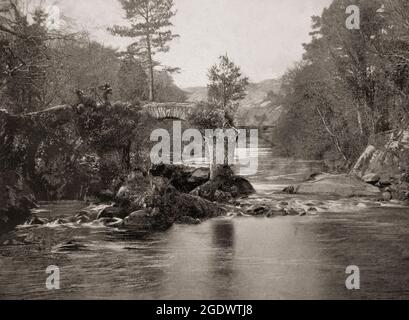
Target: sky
264,37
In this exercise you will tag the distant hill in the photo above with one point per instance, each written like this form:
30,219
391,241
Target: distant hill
259,108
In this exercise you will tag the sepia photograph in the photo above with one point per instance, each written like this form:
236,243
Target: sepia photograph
204,150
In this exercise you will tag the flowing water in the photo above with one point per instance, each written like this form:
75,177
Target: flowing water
225,258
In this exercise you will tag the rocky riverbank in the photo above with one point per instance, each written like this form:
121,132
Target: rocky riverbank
386,166
165,196
16,201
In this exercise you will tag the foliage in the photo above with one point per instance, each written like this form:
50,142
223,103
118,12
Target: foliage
150,23
207,116
24,58
227,84
132,80
351,84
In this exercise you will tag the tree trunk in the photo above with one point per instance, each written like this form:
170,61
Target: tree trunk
30,164
359,118
217,168
334,137
150,66
126,156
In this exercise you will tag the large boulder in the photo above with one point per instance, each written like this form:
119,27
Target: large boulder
16,201
371,178
388,163
225,186
131,195
342,185
384,160
93,212
183,178
153,203
139,220
171,207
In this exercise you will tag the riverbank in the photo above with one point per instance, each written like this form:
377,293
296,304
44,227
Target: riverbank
16,201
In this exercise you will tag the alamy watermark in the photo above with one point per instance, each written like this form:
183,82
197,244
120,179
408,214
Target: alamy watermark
353,22
53,280
353,281
220,146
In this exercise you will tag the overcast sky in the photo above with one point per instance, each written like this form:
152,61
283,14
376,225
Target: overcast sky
263,36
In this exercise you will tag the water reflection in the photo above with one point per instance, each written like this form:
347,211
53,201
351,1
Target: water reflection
223,235
222,258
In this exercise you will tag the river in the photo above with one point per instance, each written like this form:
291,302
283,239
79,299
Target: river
225,258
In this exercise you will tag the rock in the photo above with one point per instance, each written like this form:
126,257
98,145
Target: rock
274,212
93,211
182,178
161,205
131,195
383,183
113,212
235,186
388,161
234,192
257,211
264,211
35,221
112,222
220,196
237,214
290,190
312,212
60,221
138,220
342,185
81,219
387,196
291,212
180,204
371,178
188,220
200,175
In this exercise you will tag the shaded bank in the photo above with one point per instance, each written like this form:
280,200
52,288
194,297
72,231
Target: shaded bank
16,201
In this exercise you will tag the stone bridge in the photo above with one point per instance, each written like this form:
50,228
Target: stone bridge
170,110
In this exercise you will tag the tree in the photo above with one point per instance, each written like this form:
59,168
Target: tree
132,80
166,90
227,84
150,22
26,58
352,54
29,61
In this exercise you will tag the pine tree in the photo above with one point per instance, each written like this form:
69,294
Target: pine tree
150,23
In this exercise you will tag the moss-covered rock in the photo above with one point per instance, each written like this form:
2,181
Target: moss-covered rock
183,178
224,187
